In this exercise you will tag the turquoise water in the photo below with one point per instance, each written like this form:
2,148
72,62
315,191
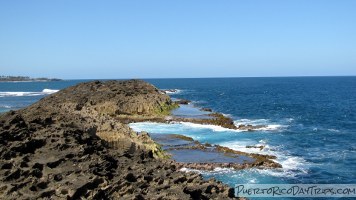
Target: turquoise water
190,111
311,122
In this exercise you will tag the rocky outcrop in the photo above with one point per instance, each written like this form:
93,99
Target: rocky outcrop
71,145
218,119
92,107
132,97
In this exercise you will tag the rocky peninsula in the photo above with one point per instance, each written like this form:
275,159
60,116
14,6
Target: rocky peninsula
75,144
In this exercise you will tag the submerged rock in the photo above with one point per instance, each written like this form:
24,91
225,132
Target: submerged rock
207,109
199,156
181,137
182,101
261,147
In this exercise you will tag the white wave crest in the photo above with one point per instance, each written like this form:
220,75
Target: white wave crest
216,170
172,91
272,127
268,126
251,121
5,106
23,94
291,165
174,126
249,147
190,170
206,126
227,115
49,91
214,128
333,130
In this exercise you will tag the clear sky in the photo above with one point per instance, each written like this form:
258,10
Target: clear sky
177,38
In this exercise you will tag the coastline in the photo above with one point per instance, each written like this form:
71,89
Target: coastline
89,153
259,161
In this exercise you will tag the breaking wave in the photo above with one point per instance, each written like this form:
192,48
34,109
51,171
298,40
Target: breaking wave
5,106
172,91
268,125
291,165
24,94
214,128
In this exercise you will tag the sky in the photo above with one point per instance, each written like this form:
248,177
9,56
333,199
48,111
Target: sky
106,39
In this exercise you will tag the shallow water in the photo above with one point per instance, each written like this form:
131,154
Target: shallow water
179,149
190,111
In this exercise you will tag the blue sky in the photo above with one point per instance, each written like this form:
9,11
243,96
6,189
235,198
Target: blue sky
177,38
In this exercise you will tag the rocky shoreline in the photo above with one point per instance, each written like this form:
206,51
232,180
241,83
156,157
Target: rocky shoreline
210,118
72,145
77,144
238,160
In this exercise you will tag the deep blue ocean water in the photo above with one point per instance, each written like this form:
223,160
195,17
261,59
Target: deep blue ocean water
311,122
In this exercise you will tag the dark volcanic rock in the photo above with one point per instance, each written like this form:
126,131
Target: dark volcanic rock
207,109
183,101
70,145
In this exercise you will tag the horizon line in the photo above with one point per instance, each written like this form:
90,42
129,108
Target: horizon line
212,77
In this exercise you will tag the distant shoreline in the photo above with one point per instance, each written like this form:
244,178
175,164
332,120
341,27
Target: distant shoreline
26,79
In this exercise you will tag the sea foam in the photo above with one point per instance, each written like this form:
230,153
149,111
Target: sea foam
291,165
207,126
24,94
49,91
173,126
172,91
5,106
268,125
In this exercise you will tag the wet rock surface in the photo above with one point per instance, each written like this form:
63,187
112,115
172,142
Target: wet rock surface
71,145
192,154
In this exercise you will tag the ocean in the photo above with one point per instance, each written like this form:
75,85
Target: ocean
310,122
